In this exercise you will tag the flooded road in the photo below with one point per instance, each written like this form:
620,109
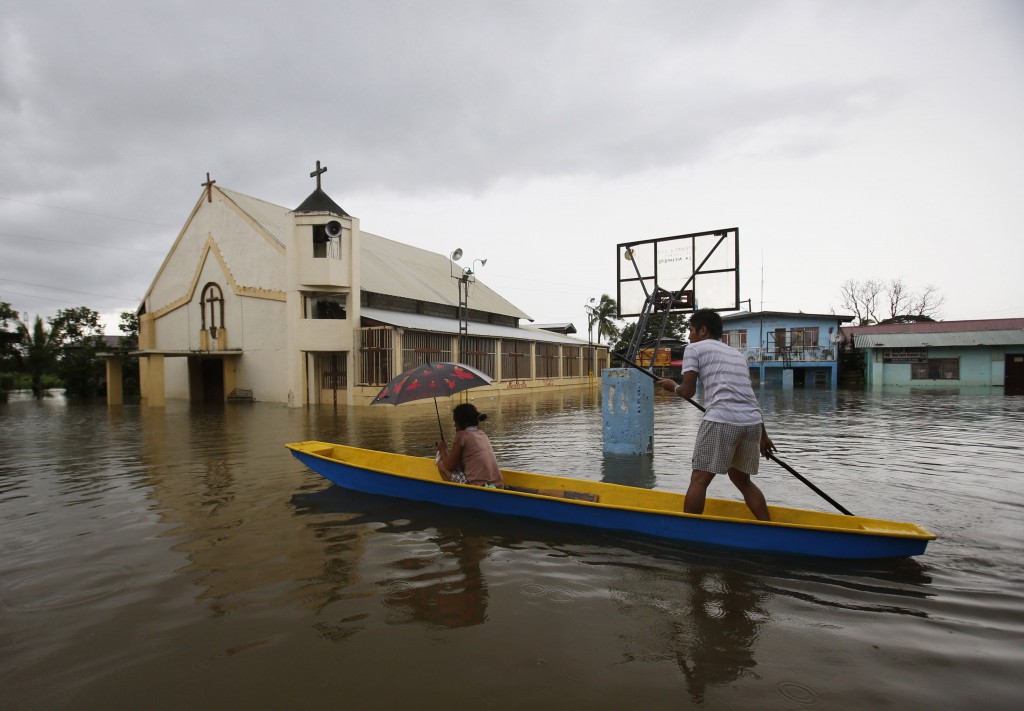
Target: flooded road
181,558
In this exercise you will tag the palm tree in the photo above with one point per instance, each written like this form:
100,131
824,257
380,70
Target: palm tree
37,352
603,315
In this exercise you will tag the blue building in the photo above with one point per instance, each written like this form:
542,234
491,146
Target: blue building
787,348
988,353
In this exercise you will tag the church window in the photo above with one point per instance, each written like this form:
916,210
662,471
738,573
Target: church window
327,242
212,302
324,305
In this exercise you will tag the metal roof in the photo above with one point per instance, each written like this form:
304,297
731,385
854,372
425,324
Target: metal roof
389,267
272,218
437,324
397,269
800,314
1008,337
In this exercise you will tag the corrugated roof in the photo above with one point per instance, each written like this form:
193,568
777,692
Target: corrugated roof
272,218
994,324
398,269
390,267
1005,337
443,325
768,314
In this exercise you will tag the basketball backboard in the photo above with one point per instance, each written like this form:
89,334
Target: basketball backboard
703,263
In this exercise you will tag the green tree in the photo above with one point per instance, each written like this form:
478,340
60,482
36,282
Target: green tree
675,329
36,352
9,339
78,338
603,315
129,326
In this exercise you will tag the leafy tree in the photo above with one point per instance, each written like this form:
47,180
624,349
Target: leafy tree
129,326
675,329
9,338
602,315
876,301
36,352
78,338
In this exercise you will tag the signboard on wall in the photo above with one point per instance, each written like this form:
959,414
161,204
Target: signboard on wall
905,355
663,360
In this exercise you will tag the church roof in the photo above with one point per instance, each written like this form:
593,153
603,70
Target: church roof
272,218
389,267
398,269
319,201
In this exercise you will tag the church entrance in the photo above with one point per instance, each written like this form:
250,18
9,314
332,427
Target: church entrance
206,379
328,378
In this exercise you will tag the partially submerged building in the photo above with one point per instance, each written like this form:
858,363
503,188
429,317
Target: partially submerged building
304,307
787,348
987,352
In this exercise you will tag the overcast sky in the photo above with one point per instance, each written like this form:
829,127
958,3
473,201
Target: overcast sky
844,139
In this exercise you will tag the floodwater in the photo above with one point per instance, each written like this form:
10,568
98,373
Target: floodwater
181,558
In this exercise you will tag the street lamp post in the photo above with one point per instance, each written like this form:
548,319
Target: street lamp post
591,317
463,278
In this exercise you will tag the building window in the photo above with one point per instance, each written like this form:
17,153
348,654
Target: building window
478,353
326,245
936,369
373,364
324,305
547,360
736,339
570,361
419,347
515,360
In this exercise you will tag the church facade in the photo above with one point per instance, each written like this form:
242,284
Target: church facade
257,301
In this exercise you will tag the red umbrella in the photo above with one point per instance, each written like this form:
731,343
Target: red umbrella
431,380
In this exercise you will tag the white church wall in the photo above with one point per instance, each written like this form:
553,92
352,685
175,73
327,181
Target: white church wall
264,357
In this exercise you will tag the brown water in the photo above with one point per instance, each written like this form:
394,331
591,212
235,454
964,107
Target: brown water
181,558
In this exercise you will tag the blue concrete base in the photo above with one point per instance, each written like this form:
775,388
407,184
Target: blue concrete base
627,411
787,379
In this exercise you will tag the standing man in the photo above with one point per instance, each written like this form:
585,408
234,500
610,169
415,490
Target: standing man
732,431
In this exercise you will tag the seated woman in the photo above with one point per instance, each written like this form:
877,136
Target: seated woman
471,459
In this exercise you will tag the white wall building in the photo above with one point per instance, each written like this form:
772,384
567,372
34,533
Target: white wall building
303,307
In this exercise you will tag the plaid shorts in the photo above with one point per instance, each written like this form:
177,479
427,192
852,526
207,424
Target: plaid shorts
722,446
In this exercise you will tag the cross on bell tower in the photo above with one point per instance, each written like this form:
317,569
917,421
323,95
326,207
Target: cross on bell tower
317,173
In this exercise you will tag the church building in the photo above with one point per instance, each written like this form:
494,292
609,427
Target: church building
257,301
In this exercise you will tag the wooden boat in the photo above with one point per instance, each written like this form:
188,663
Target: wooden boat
595,504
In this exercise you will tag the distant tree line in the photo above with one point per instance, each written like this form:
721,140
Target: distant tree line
62,352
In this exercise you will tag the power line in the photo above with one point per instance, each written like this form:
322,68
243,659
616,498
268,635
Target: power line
84,212
70,291
83,244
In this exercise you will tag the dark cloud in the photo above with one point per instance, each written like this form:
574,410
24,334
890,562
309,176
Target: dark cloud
117,108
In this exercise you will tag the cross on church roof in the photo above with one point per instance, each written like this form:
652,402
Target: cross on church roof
317,173
209,188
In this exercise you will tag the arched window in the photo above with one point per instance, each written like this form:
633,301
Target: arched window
212,303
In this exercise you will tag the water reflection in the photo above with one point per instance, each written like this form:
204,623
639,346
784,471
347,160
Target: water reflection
447,597
431,575
704,618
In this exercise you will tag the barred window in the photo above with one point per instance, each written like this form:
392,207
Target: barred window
418,347
936,369
373,363
515,360
478,353
570,361
546,361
